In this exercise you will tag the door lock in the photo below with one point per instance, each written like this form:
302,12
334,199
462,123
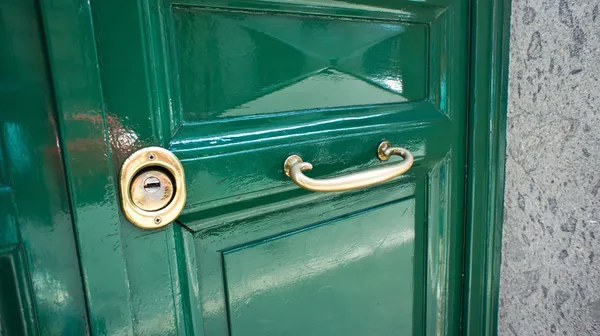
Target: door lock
152,188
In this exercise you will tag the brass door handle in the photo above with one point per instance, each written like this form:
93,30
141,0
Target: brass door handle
294,168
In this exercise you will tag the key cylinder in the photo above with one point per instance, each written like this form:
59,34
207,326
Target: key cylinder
152,190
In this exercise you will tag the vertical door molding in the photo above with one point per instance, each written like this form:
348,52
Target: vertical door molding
90,176
490,26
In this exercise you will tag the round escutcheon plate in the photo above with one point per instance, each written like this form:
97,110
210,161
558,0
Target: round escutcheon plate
152,188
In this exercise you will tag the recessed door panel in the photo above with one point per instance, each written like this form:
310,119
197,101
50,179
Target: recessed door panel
349,276
353,268
234,63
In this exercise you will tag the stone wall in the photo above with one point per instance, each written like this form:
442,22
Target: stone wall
550,281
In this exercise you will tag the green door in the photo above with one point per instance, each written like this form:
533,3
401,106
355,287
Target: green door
233,88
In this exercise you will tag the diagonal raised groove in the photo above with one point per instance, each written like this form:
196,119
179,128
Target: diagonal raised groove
280,86
367,46
274,37
370,81
319,64
328,88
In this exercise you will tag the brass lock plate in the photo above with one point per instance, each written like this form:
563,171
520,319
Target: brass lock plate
152,188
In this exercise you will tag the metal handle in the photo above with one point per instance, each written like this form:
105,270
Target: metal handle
294,168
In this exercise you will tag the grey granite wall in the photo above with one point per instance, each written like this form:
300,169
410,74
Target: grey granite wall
550,281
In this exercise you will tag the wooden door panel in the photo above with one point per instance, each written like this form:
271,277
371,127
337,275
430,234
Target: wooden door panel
349,276
237,256
233,88
284,272
256,258
248,63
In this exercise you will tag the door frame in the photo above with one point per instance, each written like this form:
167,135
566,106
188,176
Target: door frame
486,164
68,28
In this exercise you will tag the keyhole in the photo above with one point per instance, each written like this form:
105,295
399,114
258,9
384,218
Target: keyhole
152,190
152,184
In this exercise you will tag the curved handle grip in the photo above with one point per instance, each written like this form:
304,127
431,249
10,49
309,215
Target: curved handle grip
294,168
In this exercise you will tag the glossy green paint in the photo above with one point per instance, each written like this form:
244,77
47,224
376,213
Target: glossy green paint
487,146
270,285
232,88
232,147
283,62
41,289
